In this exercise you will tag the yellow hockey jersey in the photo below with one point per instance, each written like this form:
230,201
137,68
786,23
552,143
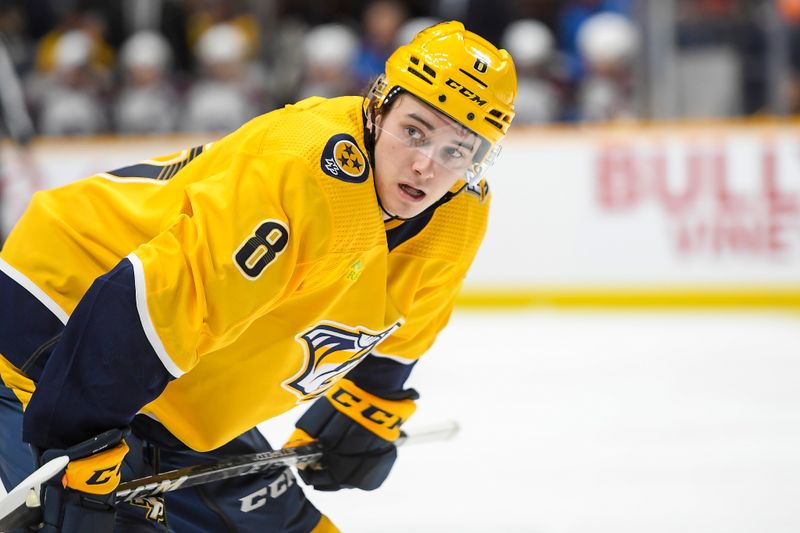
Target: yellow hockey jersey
250,274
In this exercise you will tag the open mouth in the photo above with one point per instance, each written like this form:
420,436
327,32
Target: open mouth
416,194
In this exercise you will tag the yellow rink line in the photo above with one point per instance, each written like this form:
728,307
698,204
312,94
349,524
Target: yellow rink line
772,297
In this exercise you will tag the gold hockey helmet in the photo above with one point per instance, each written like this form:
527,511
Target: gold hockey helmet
461,75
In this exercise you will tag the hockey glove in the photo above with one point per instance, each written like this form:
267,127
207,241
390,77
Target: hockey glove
82,499
357,431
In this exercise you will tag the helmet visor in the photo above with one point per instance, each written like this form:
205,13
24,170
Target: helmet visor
447,143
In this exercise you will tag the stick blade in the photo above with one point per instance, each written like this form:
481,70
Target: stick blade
21,507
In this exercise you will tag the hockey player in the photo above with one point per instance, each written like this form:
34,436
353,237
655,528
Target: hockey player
313,254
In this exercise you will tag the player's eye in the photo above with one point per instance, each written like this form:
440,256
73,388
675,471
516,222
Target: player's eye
453,152
414,135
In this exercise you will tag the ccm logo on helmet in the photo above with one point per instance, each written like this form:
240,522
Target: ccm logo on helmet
453,84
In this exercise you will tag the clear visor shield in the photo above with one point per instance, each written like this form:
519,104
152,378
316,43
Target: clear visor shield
451,149
450,146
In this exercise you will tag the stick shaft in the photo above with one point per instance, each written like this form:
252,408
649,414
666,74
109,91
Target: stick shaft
243,465
21,507
240,465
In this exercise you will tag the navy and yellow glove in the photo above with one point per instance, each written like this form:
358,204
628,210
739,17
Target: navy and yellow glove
82,499
357,431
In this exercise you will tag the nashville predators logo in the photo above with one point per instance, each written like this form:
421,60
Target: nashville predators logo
331,351
343,159
480,189
153,507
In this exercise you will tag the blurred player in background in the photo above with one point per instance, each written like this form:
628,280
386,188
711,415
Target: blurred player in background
329,51
230,89
381,22
70,98
532,46
14,118
147,102
411,27
608,44
313,254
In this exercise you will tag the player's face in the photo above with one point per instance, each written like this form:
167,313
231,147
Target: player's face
419,155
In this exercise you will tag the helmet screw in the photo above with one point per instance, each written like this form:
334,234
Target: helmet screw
442,98
470,116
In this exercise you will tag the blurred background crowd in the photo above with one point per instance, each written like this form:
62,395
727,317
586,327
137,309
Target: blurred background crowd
88,67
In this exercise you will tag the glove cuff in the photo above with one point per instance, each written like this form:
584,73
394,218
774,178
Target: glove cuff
94,465
381,416
96,474
298,438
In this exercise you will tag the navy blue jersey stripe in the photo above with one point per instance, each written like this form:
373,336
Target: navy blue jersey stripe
27,327
156,172
380,376
407,230
102,371
141,170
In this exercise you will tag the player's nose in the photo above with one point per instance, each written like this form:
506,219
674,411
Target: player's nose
422,165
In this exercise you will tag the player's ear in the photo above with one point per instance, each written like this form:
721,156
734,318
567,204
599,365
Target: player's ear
374,118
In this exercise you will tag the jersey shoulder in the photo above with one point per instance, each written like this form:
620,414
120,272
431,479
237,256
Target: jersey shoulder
328,134
303,129
455,230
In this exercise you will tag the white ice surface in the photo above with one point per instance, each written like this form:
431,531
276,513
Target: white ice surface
597,423
590,422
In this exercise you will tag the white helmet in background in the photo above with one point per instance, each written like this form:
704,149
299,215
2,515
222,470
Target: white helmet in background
146,49
608,38
221,43
411,27
73,49
529,42
330,45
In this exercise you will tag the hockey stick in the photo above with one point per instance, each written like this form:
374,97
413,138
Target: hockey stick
243,465
21,507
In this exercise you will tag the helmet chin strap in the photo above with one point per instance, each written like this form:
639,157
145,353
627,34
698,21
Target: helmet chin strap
370,140
386,211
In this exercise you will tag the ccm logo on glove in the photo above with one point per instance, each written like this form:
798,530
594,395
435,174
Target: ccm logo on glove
96,474
382,417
